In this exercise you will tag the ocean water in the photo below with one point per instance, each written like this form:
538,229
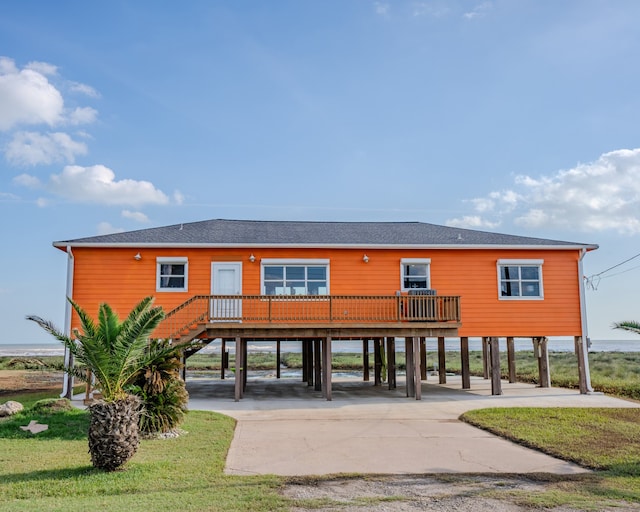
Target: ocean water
555,345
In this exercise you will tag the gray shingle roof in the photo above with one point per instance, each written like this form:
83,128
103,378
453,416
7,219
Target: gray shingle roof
222,232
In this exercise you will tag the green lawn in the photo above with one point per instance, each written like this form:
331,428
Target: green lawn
52,471
604,439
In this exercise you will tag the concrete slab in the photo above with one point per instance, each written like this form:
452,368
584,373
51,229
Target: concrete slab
286,428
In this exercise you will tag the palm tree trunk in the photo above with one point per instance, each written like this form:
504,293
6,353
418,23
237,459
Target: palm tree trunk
113,432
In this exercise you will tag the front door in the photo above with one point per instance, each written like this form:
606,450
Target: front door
226,280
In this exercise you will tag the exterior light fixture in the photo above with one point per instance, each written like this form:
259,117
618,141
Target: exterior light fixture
365,258
137,257
252,258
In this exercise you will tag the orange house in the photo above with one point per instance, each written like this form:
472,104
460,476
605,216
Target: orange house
242,281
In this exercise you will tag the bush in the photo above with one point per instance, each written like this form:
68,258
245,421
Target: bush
52,406
163,411
162,391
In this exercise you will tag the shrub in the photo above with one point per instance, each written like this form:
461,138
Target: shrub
52,405
162,391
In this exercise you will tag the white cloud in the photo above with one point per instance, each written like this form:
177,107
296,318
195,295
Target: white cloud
97,184
178,197
27,97
32,148
137,216
597,196
104,228
26,180
381,8
44,68
42,202
30,98
483,204
85,89
472,222
478,11
431,9
7,66
84,135
82,115
6,196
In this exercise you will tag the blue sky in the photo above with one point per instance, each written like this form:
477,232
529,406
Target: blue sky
514,116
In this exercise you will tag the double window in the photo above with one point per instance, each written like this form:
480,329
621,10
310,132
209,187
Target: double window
415,274
172,274
295,277
520,279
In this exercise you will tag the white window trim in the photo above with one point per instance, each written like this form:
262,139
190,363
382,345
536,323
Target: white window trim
408,261
294,261
180,260
520,263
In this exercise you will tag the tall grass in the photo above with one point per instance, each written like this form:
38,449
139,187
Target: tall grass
616,373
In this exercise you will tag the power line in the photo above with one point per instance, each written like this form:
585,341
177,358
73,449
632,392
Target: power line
616,266
622,272
592,282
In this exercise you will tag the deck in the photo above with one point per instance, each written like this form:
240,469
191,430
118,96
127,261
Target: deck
269,317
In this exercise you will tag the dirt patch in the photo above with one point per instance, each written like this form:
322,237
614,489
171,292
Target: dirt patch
460,493
14,381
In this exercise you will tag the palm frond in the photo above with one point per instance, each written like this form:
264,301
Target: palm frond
88,325
133,339
108,325
628,325
54,331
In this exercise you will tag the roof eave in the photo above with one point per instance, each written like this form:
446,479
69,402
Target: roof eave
587,247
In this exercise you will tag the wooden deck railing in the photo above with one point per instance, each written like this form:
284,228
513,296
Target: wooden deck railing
307,309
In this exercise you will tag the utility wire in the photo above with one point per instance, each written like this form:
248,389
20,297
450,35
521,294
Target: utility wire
593,281
621,272
617,265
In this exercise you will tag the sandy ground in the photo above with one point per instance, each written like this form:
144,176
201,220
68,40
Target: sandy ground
408,493
384,493
12,381
438,493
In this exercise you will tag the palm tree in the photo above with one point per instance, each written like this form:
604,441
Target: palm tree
628,325
115,352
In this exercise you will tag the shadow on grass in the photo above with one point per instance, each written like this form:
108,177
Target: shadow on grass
49,474
64,426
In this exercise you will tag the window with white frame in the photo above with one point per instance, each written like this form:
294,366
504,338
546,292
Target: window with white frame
415,274
172,274
520,279
295,277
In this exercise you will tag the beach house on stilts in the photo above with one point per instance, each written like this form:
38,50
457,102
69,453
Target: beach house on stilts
391,282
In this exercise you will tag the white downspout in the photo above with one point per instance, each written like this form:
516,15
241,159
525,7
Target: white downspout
583,319
67,383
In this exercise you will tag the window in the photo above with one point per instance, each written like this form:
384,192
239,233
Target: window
520,279
415,274
291,277
172,274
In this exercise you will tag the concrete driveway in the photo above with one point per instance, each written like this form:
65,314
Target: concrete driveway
286,428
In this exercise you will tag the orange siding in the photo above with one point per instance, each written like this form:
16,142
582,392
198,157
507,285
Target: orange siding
112,275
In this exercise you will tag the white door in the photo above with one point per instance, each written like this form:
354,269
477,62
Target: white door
226,279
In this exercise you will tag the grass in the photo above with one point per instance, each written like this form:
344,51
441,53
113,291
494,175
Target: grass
52,471
604,439
30,363
616,373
